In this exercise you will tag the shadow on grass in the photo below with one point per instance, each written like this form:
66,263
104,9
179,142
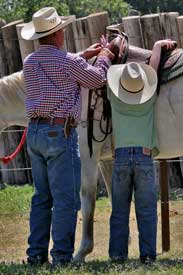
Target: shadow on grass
131,266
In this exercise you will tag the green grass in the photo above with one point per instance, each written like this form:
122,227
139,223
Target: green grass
99,267
15,199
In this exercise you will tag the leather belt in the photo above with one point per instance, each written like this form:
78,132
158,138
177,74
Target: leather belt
48,120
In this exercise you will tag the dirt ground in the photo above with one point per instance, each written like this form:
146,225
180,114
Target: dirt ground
14,230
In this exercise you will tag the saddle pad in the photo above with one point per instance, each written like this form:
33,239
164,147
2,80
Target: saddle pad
172,68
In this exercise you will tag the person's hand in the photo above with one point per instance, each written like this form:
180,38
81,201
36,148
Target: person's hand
104,41
91,51
167,44
105,52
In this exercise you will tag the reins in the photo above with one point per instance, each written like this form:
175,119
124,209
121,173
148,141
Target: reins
7,159
120,58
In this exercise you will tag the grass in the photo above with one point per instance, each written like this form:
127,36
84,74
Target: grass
14,229
15,199
99,267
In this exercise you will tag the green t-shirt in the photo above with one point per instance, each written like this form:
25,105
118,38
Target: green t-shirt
134,125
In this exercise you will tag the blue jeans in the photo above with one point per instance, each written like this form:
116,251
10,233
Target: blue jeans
133,172
56,171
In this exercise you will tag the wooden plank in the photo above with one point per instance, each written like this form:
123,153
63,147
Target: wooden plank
169,26
81,34
180,29
132,28
97,24
69,43
3,63
26,46
151,29
11,44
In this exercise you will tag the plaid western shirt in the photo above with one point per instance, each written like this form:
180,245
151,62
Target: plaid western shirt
53,78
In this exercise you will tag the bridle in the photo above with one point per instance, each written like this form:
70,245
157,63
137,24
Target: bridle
120,58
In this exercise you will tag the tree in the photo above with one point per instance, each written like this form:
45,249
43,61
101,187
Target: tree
153,6
116,8
23,9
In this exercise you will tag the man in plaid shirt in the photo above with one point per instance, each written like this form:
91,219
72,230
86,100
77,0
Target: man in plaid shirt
53,78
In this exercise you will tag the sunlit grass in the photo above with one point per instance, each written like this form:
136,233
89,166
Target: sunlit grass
15,199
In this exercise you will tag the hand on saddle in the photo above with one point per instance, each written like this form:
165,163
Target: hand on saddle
106,47
91,51
166,44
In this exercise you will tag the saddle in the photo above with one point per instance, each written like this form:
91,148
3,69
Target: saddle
171,65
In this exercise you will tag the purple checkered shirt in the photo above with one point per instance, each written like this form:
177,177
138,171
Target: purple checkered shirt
53,78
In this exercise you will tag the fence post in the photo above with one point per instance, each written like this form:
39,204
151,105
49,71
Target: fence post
132,27
165,225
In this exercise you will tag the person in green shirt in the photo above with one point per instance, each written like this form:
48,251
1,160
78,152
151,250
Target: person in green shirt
132,93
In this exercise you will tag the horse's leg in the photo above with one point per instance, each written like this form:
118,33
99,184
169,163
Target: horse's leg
105,163
89,175
105,166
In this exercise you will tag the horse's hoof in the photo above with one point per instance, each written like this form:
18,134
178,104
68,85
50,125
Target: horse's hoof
78,258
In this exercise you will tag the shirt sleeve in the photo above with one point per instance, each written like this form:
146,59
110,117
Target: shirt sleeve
90,76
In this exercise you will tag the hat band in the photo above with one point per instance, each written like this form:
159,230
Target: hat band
136,92
50,29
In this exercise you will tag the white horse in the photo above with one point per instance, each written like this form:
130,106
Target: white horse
169,112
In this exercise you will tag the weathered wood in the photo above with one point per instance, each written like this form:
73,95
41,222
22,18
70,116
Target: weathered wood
165,229
132,27
169,26
81,34
26,46
3,63
69,44
180,28
97,24
151,29
11,44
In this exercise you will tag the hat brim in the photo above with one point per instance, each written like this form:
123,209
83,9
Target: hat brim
150,84
28,31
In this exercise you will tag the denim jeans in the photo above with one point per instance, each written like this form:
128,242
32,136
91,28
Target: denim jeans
56,174
133,171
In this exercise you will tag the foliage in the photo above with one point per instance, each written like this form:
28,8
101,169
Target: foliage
153,6
23,9
116,8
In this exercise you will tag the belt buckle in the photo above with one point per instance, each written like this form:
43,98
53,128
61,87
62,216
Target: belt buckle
51,121
146,151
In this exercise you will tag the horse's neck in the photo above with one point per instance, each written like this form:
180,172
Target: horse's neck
12,95
136,54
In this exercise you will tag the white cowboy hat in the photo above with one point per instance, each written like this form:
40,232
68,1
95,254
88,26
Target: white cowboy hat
132,83
44,22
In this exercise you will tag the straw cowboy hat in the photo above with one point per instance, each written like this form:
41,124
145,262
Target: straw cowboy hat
132,83
44,22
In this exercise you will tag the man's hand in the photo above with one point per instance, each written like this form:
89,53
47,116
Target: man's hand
91,51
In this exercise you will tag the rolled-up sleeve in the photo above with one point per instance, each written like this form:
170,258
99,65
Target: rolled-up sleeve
90,76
